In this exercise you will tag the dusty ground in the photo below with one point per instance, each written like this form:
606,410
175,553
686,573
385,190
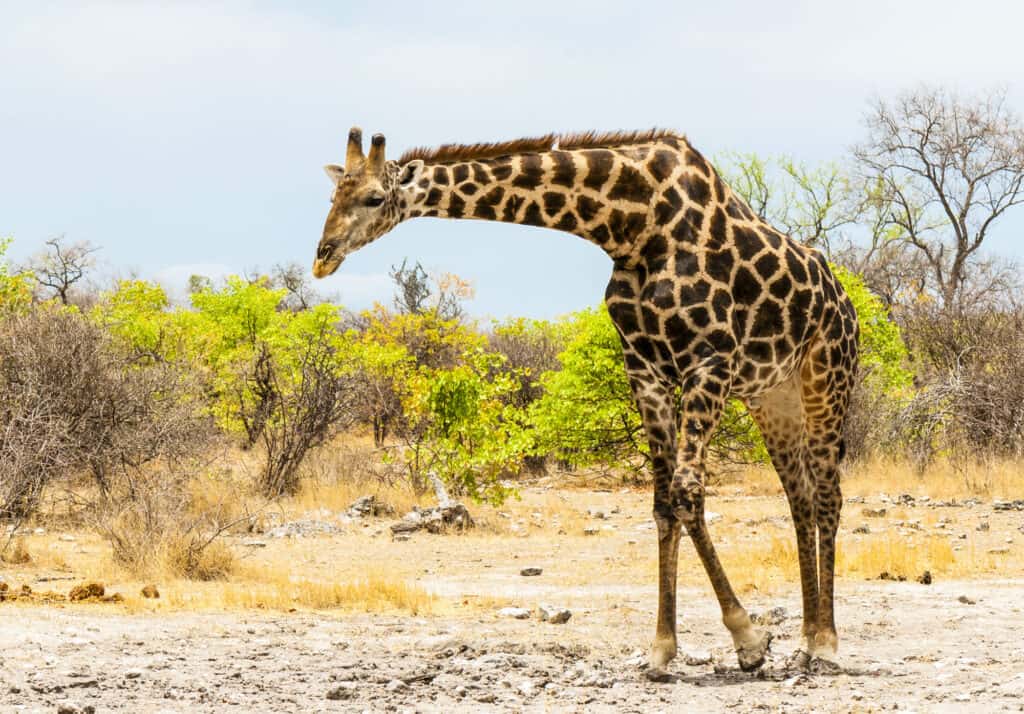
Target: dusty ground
952,645
905,647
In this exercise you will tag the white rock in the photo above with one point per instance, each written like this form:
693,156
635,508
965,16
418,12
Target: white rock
397,685
526,688
554,615
697,658
517,613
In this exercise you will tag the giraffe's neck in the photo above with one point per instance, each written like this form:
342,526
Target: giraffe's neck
611,197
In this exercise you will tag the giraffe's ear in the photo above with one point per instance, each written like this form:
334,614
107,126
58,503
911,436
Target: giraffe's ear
410,173
334,173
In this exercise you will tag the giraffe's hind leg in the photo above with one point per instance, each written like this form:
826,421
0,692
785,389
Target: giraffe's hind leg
826,394
780,416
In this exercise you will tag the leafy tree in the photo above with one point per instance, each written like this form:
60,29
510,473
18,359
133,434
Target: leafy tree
465,429
15,286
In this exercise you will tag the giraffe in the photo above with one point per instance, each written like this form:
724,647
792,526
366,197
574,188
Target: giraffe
710,302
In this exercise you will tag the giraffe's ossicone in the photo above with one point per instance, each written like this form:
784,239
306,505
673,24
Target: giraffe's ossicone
709,300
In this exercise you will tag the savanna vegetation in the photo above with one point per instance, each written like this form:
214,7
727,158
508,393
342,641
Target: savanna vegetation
161,424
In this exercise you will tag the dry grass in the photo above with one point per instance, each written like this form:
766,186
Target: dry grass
16,553
945,479
544,527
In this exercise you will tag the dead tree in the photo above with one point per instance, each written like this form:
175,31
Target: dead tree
950,167
62,265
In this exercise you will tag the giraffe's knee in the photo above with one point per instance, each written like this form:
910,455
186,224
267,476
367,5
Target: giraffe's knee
687,494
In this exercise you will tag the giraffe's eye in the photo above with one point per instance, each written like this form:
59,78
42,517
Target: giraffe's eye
325,251
373,201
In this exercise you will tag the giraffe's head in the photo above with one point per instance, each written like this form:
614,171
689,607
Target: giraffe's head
370,196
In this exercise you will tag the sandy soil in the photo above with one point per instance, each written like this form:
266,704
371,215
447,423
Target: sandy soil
905,647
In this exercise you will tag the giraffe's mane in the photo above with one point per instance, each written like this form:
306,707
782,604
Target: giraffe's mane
575,140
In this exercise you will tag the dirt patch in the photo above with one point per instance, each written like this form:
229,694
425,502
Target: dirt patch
903,645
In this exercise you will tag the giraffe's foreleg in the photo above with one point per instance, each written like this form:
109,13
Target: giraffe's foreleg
657,410
701,409
751,643
669,531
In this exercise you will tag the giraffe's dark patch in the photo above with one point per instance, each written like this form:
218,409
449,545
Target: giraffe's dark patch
587,208
654,252
719,189
696,188
679,334
440,175
566,223
511,209
633,362
456,205
687,264
691,294
532,217
618,289
734,209
740,315
469,189
717,228
747,243
643,346
721,341
501,170
624,316
599,166
781,287
668,207
484,211
745,287
650,319
813,272
795,267
531,173
694,159
488,202
662,164
699,316
631,185
767,320
480,174
663,213
660,294
759,351
767,265
771,237
685,233
553,202
719,264
721,301
434,197
564,172
600,234
625,227
460,172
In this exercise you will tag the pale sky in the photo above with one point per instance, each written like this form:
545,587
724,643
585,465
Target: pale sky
189,137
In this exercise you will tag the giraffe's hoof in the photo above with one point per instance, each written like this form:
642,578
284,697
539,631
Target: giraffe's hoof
662,652
659,675
799,660
820,665
752,654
